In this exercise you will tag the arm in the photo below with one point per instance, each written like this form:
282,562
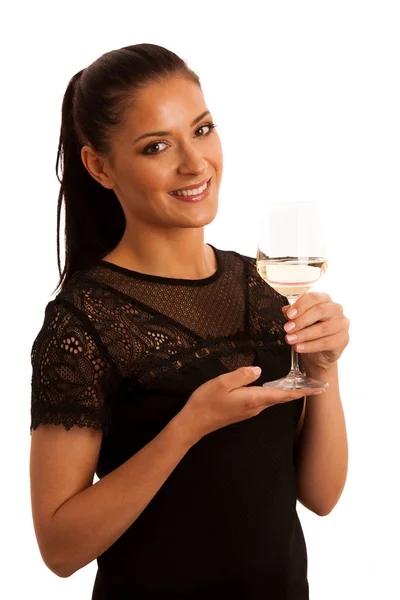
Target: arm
320,335
76,521
322,451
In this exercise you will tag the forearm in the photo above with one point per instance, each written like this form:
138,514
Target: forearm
89,523
322,453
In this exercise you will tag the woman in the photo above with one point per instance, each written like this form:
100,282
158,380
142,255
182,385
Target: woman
142,368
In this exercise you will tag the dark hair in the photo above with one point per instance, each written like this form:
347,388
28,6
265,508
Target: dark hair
93,104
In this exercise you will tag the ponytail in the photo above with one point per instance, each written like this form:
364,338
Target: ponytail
94,220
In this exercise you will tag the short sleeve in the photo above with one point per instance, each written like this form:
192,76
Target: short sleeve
71,373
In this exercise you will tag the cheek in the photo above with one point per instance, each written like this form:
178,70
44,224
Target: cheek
217,156
143,179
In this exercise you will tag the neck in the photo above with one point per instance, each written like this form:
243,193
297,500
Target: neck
183,256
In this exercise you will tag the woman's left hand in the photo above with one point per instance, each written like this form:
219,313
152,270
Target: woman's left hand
321,328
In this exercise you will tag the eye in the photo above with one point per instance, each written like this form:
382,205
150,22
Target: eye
210,126
154,145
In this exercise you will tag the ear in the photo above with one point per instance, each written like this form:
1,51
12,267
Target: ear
96,167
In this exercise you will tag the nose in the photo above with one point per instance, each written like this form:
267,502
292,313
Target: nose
192,161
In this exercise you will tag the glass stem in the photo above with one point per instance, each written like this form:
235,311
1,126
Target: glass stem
294,354
295,361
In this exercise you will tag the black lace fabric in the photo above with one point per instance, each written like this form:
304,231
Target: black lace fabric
122,351
69,372
111,323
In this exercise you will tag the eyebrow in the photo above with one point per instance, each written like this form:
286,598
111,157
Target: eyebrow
162,133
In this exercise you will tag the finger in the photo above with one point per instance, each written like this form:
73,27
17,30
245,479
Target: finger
329,343
314,332
306,301
319,312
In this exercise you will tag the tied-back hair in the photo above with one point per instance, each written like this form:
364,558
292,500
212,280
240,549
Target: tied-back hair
93,105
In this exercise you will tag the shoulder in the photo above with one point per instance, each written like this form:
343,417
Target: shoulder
74,291
69,322
231,257
89,298
259,288
254,280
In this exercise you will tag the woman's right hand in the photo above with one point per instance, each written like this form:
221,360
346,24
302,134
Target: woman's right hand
226,399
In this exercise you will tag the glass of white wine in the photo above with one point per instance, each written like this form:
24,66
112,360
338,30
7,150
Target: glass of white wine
291,257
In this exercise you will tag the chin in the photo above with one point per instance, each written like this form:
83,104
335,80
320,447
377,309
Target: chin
202,218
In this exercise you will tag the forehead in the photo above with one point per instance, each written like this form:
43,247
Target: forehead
173,102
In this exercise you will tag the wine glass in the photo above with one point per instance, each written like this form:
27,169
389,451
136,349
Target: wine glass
291,257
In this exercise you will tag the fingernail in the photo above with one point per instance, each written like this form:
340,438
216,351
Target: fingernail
292,313
299,347
292,338
289,326
256,370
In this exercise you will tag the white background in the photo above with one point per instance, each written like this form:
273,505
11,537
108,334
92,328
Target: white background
306,96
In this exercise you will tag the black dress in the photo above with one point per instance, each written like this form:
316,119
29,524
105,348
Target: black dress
123,351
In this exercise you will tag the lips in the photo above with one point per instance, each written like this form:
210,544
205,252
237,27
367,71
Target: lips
190,187
194,199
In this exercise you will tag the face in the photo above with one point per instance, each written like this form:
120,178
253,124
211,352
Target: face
143,171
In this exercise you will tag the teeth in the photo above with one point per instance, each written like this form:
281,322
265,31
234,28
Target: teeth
191,192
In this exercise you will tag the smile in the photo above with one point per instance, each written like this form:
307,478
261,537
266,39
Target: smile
193,195
195,191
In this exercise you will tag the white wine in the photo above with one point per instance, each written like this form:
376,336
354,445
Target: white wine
290,276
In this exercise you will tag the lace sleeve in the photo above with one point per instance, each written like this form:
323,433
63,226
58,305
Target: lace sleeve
70,372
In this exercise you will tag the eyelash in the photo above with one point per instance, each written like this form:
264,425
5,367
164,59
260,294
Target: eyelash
212,126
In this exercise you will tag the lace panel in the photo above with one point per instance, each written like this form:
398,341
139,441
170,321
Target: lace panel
69,373
216,309
96,333
152,346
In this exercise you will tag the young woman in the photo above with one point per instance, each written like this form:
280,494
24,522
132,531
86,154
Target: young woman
142,368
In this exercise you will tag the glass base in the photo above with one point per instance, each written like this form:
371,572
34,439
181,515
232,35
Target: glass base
295,381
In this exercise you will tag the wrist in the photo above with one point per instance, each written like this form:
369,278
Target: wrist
183,430
323,373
